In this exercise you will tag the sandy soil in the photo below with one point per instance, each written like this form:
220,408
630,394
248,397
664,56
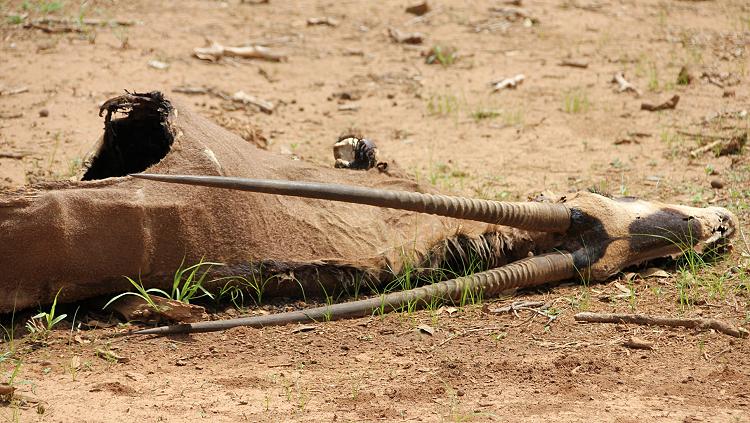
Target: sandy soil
564,128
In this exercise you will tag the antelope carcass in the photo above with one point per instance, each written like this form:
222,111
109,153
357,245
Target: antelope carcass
304,228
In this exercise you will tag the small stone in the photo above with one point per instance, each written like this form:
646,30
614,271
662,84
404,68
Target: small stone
43,113
460,393
728,93
717,184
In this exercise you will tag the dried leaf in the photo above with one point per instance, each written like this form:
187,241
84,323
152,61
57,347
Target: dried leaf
429,330
303,328
654,272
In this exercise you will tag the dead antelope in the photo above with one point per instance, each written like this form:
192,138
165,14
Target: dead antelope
319,235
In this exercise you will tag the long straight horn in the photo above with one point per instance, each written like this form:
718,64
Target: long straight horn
524,215
525,273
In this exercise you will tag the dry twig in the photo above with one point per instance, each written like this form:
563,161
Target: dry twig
574,63
646,320
508,82
263,105
624,85
328,21
405,37
14,91
667,105
216,51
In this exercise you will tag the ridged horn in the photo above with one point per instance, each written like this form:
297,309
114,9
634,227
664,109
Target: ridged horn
544,217
523,273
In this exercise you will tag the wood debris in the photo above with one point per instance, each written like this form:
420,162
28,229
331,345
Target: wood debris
720,79
511,83
304,328
513,14
574,63
667,105
133,308
419,9
405,37
216,51
245,98
514,306
723,145
638,343
158,64
14,91
623,85
87,21
13,155
6,390
697,323
327,21
111,356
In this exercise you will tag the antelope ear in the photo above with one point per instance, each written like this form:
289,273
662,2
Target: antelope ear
542,217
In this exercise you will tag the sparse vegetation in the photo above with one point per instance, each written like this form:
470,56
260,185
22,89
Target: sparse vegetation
576,101
42,323
187,285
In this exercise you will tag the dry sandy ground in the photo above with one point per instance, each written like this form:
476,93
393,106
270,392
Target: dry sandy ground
563,128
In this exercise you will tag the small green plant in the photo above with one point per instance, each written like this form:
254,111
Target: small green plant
15,19
187,285
143,293
576,101
442,105
653,77
49,6
443,55
482,114
235,293
257,284
41,324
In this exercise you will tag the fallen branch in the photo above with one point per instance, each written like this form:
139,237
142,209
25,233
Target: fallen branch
513,14
638,343
328,21
14,91
13,155
216,51
508,82
643,319
516,305
729,145
405,37
669,104
91,22
245,98
624,85
574,64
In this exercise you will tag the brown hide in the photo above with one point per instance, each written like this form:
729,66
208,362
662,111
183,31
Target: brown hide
82,237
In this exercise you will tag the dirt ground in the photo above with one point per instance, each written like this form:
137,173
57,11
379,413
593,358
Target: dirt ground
563,128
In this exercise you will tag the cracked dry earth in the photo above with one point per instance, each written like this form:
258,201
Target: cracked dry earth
563,128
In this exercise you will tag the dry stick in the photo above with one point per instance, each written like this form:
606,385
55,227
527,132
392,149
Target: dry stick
624,85
710,146
13,155
669,104
92,22
574,63
643,319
